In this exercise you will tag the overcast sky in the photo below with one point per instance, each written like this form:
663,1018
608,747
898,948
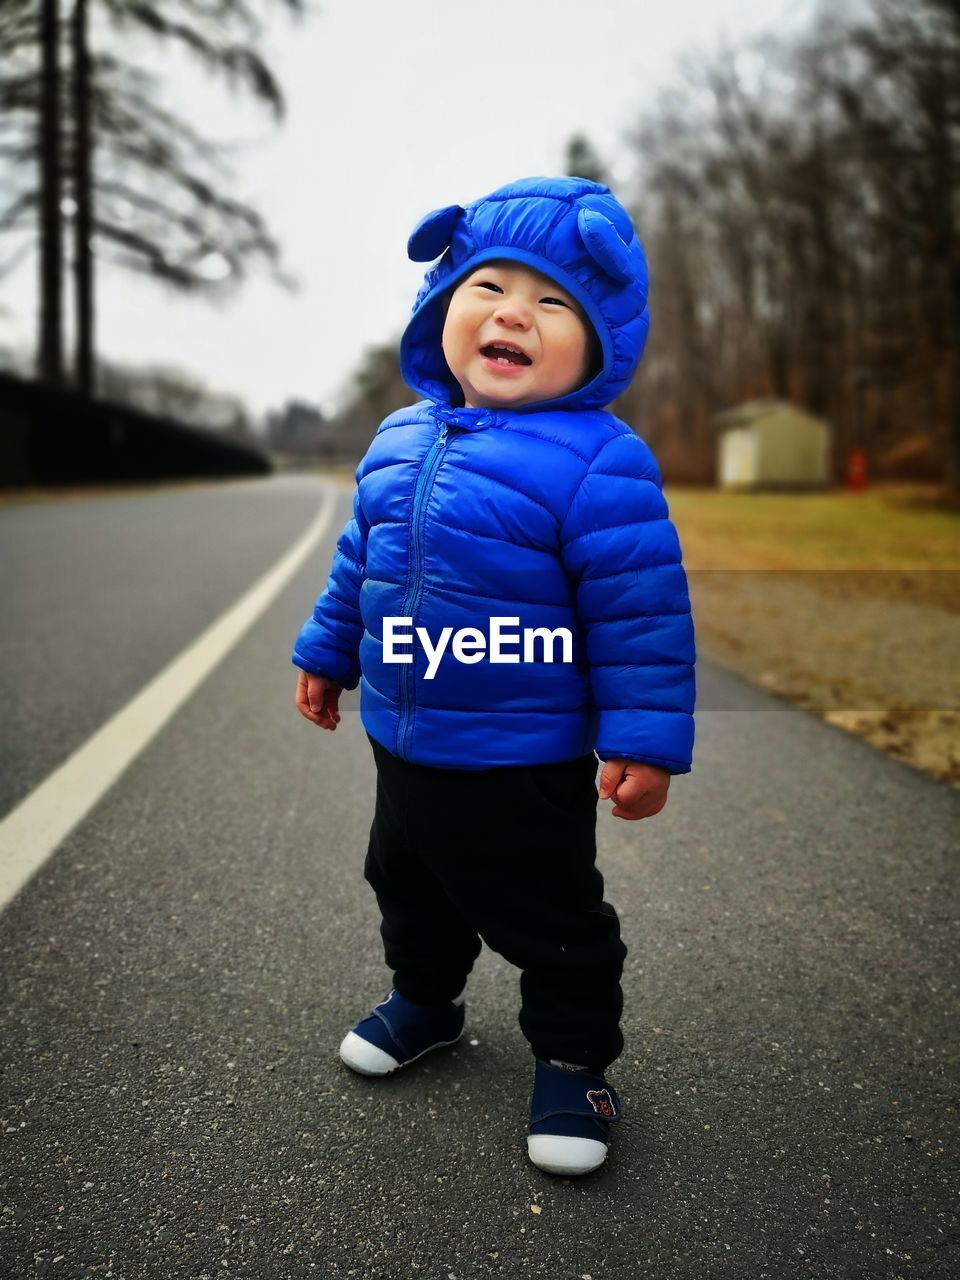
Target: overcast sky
395,107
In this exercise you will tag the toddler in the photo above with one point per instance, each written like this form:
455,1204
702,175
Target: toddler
510,597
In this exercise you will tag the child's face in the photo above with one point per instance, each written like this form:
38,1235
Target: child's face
508,303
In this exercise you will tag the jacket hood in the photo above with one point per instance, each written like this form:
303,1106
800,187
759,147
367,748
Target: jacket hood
570,229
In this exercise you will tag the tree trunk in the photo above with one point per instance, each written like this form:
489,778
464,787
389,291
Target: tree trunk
51,227
953,397
83,194
940,108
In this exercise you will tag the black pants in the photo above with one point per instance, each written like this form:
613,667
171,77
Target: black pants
508,856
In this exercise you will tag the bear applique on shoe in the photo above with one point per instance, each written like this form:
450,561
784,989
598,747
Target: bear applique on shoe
571,1111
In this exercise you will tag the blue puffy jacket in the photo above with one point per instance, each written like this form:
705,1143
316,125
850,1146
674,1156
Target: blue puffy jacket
550,514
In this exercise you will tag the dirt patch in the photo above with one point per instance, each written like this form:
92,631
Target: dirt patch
869,655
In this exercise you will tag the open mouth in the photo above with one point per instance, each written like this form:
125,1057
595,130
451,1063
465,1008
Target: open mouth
504,355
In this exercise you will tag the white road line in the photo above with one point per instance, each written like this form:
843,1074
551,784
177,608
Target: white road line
30,832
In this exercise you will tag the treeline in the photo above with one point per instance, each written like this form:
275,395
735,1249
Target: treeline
799,202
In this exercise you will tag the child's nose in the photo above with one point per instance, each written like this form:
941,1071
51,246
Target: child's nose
514,311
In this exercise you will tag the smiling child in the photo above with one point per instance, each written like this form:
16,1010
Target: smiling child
509,501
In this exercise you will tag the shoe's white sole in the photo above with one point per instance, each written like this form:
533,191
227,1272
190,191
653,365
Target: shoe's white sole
367,1060
554,1153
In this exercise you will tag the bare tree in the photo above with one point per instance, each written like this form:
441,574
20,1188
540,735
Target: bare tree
154,202
800,201
83,167
582,161
906,116
51,187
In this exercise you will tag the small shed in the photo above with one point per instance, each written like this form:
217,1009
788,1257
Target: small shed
771,444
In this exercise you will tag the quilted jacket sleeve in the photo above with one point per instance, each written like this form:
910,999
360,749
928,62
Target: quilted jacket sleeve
329,641
622,552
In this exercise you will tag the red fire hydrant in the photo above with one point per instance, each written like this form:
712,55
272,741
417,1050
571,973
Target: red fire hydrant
857,469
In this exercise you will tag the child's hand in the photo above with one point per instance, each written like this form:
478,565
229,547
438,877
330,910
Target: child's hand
317,699
637,790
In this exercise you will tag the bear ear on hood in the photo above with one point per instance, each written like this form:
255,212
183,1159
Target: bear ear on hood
624,263
432,234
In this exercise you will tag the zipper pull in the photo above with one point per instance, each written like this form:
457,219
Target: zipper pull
442,437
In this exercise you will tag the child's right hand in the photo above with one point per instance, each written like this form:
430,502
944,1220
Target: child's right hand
317,699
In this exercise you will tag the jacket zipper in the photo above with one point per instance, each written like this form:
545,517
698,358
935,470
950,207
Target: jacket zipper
421,493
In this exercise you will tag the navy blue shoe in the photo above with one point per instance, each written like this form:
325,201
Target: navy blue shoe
571,1112
397,1031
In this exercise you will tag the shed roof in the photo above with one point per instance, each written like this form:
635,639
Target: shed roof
744,415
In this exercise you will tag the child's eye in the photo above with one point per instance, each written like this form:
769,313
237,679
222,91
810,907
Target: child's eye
488,284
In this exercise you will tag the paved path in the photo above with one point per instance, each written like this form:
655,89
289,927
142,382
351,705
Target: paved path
176,978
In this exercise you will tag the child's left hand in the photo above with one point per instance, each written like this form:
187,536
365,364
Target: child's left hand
637,790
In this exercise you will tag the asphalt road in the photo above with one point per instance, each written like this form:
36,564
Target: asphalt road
177,977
